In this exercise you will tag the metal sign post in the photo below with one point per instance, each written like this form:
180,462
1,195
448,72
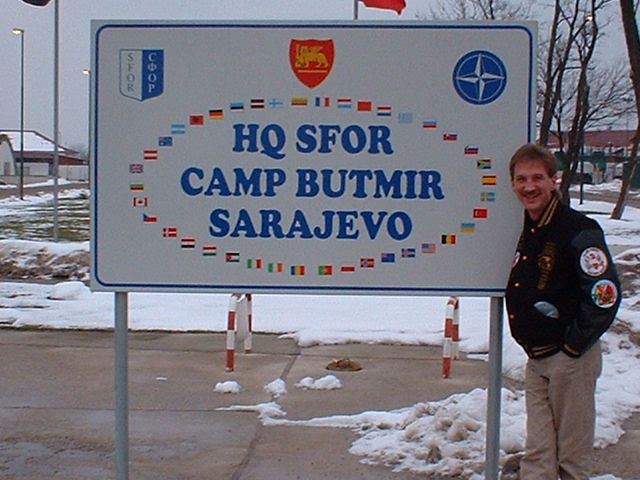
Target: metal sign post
494,390
121,385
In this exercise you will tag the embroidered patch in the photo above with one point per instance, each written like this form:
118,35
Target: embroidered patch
604,293
593,261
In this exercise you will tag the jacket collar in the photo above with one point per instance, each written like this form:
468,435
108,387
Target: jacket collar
547,214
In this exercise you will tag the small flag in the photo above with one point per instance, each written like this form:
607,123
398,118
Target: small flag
367,262
232,257
487,196
209,250
297,270
470,150
387,257
348,268
275,267
149,218
384,111
325,270
299,101
276,103
136,168
257,103
364,106
136,187
150,154
405,118
165,141
428,248
429,124
344,102
395,5
236,106
178,129
188,242
448,239
467,227
480,213
483,164
254,263
408,252
489,179
323,102
169,232
140,202
216,114
196,120
450,137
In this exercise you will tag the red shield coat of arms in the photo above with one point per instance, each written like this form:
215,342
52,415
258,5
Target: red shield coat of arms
311,60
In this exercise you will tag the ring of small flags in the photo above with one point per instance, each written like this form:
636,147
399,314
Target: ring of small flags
216,114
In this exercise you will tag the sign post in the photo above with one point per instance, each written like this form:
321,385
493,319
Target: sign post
311,158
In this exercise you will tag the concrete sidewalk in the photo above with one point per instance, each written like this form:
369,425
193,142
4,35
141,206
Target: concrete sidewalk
57,396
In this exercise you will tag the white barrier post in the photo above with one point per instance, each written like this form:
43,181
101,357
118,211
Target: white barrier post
231,331
451,336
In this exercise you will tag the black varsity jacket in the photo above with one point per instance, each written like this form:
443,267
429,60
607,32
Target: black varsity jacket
563,291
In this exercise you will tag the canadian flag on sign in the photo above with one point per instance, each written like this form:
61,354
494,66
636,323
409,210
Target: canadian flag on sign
396,5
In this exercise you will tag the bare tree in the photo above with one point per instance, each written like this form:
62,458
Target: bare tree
632,39
478,10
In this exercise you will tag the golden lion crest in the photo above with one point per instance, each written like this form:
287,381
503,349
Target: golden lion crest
311,60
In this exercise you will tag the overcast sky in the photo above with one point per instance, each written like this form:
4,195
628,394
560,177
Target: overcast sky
75,16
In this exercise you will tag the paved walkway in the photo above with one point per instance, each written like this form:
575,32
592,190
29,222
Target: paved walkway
57,391
56,405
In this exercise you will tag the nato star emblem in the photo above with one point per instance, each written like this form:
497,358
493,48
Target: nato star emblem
479,77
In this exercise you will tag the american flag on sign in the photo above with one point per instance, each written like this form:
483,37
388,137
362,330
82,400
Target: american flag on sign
428,248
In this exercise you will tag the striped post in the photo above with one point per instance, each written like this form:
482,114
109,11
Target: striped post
231,331
451,336
455,332
235,318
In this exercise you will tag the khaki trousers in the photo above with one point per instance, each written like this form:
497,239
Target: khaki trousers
560,400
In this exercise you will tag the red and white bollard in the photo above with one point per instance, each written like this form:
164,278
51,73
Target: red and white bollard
451,336
240,321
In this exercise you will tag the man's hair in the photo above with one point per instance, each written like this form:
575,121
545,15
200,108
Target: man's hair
531,151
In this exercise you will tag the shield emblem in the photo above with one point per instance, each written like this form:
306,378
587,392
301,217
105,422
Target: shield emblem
311,60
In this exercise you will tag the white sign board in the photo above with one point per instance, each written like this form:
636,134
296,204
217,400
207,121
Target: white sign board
307,157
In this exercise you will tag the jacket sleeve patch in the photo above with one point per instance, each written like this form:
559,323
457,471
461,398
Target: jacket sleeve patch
604,293
594,261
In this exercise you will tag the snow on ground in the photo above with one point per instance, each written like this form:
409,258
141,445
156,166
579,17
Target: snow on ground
450,433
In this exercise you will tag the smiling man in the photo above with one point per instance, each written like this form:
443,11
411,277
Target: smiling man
563,294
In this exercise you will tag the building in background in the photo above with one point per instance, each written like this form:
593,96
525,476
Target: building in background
38,158
605,154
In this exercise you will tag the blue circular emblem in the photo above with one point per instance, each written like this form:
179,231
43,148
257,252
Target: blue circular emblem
479,77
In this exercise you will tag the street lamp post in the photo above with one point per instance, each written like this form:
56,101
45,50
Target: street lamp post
20,31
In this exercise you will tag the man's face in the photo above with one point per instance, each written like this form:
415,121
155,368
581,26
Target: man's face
533,186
